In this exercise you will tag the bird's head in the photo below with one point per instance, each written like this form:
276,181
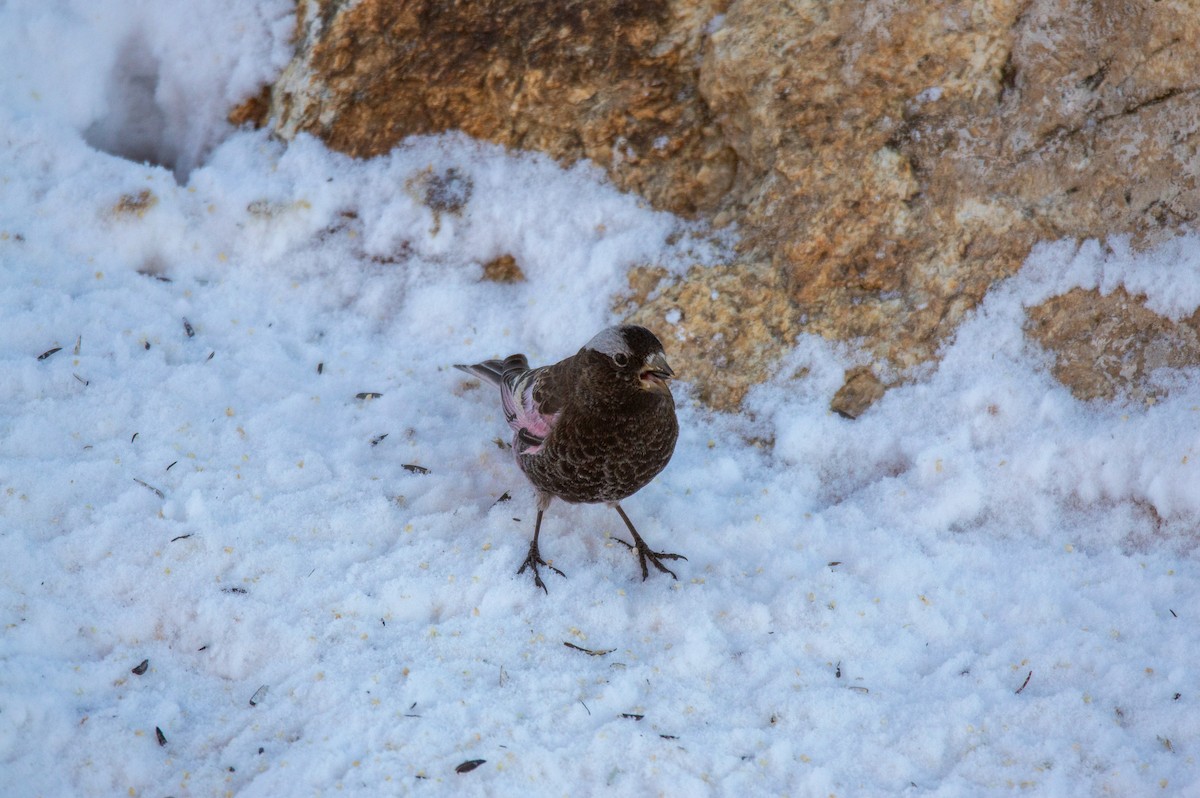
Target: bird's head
635,356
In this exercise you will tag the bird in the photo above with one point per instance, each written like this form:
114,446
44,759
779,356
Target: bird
593,428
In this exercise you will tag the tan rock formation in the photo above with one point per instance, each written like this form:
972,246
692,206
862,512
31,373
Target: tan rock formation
1112,347
860,390
885,162
614,82
896,159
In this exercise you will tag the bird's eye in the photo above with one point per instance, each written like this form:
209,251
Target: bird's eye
621,359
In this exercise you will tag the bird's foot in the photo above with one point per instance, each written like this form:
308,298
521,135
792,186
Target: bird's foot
533,561
645,553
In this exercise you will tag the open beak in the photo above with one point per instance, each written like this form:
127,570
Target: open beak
655,373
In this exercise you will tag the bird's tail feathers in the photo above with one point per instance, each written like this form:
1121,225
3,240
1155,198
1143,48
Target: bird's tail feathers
493,371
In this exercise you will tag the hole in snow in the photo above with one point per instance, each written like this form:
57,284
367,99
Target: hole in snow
135,125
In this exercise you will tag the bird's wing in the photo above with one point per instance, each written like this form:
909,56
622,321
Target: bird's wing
532,398
531,406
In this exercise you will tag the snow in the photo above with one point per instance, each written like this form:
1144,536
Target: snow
979,586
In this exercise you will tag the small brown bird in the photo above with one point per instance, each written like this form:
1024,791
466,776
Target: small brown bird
595,427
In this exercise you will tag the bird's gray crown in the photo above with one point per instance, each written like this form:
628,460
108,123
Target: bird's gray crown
610,341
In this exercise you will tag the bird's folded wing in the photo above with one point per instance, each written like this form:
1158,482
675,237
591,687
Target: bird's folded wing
530,407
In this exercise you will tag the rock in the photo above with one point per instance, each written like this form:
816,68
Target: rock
860,390
1113,347
885,163
252,111
895,160
919,150
503,269
613,81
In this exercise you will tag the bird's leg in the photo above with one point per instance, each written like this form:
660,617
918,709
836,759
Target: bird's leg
645,552
535,557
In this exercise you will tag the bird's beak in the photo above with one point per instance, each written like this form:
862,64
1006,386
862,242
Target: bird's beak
655,373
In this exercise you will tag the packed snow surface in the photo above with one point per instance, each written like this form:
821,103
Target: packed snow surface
232,450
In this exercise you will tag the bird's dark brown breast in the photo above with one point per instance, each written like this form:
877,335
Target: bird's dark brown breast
605,451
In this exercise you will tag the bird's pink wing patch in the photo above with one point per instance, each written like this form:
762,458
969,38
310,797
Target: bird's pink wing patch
527,420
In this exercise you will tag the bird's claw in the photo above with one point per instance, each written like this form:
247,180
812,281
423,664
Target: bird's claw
644,553
533,561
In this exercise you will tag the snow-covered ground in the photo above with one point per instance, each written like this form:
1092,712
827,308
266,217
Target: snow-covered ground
982,586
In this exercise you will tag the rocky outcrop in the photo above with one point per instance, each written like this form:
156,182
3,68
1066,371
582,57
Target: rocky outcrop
613,82
885,162
1113,347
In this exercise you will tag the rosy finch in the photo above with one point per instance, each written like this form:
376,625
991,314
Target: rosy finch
595,427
